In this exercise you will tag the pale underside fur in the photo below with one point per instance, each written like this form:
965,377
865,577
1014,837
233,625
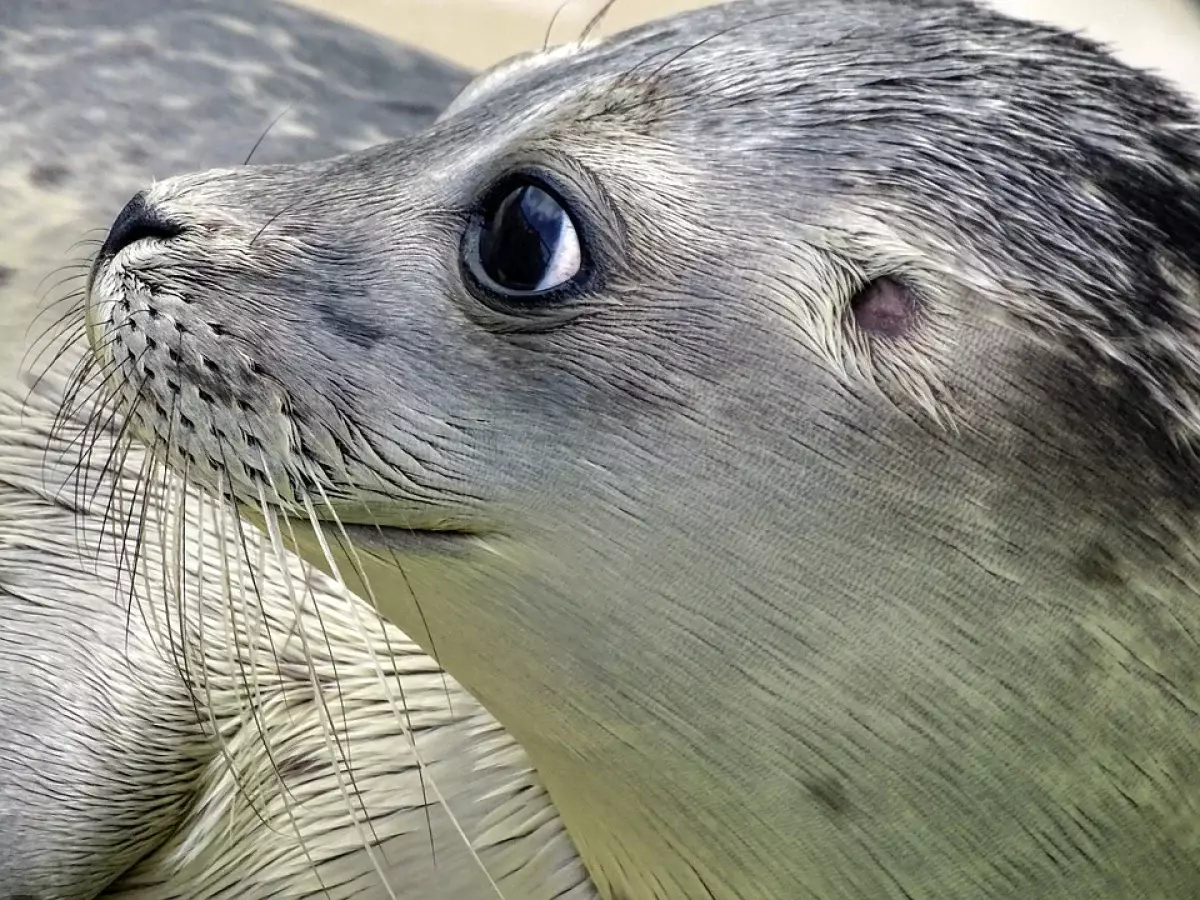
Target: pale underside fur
269,714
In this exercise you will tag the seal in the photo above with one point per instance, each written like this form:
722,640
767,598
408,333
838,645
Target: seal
180,736
782,418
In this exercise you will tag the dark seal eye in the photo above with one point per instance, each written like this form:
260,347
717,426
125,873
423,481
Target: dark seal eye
527,242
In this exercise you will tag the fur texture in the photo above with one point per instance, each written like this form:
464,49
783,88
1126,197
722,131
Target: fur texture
781,607
252,734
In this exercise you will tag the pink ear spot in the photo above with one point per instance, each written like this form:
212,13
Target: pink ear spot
885,307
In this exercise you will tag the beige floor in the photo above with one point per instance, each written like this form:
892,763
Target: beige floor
480,32
1162,34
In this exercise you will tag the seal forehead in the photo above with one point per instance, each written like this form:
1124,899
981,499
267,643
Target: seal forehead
493,80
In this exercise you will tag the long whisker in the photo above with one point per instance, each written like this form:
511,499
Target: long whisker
596,21
263,136
333,745
244,556
253,695
308,571
298,612
404,721
553,19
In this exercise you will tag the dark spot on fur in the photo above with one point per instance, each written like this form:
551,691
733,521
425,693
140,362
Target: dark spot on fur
1099,567
409,107
206,375
134,47
49,175
360,333
135,156
830,793
7,274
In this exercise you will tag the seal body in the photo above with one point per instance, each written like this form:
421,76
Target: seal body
813,499
166,732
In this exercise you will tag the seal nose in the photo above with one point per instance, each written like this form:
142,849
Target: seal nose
137,221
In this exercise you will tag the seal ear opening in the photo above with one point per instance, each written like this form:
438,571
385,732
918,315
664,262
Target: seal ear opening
885,307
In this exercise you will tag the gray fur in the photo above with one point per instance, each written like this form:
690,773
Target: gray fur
779,609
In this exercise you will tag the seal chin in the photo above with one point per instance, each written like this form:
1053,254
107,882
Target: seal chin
389,539
410,540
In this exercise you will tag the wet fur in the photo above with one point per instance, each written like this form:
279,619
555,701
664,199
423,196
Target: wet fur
778,608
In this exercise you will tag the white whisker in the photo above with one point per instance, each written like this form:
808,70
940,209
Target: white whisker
276,539
403,721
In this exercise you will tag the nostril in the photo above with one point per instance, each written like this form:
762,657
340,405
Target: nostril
137,221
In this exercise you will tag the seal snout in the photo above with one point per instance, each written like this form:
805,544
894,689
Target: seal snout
138,221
